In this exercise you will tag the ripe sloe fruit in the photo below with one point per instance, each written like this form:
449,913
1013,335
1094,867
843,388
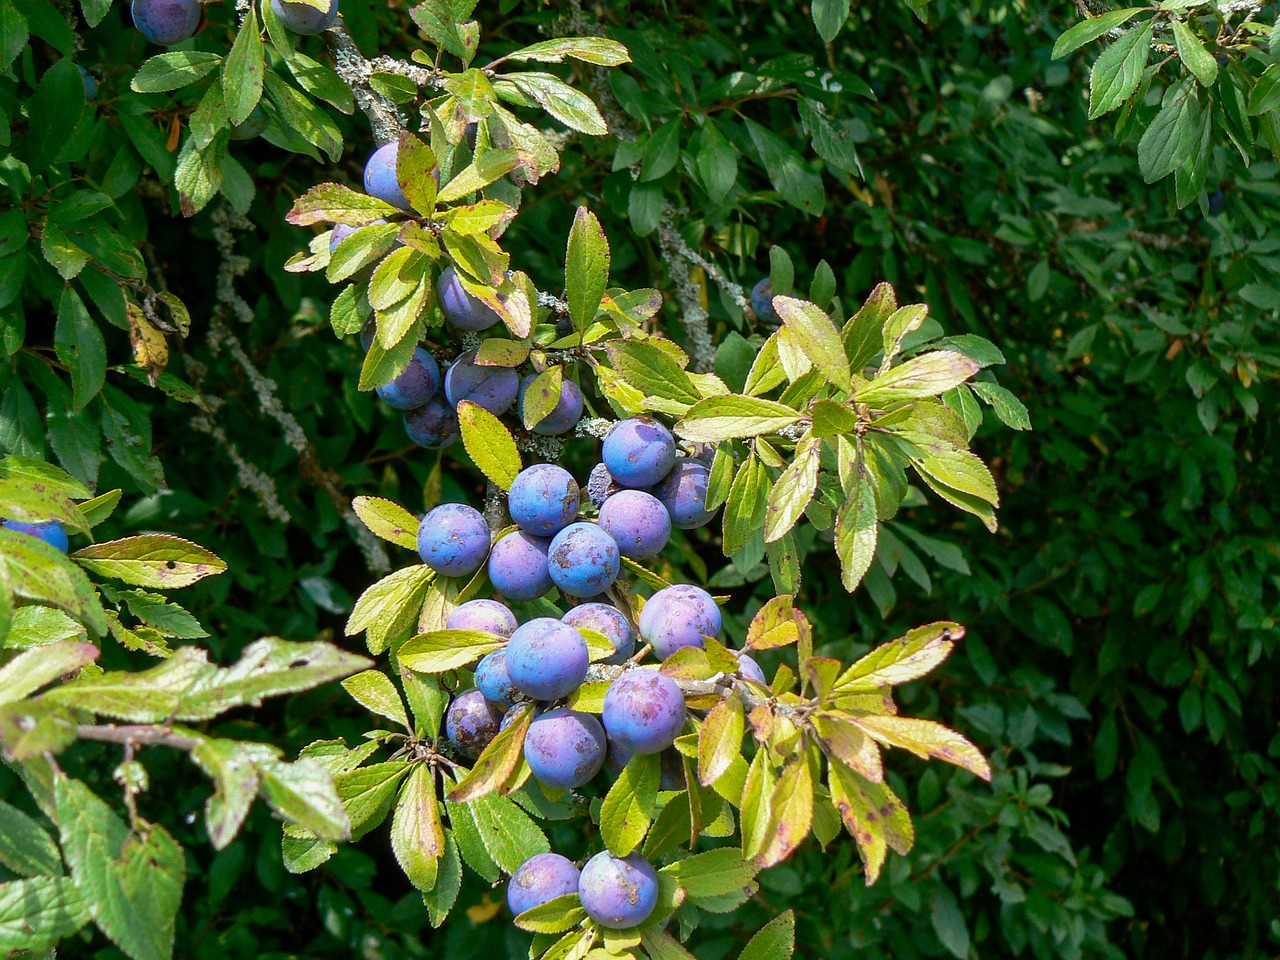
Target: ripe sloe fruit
750,670
643,711
471,722
433,425
583,560
566,414
303,19
564,748
459,307
639,452
494,682
547,659
601,485
380,174
684,493
453,539
608,621
540,880
166,22
679,616
487,616
493,388
416,385
543,499
638,522
518,566
618,892
762,302
50,531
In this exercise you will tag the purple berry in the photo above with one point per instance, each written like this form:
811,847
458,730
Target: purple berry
684,494
564,748
618,892
50,531
639,452
415,386
453,539
762,303
547,659
303,19
509,717
494,388
638,522
601,485
166,22
679,616
540,880
518,566
380,174
609,622
340,232
459,307
583,560
750,670
494,682
487,616
644,711
472,722
433,425
566,414
543,499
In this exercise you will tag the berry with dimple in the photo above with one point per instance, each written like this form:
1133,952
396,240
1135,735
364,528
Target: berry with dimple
547,659
380,175
601,485
750,670
638,522
684,493
583,560
471,722
453,539
543,499
643,711
539,880
416,385
762,303
459,307
50,531
679,616
607,621
639,452
563,417
304,19
166,22
618,892
518,566
433,425
494,682
564,748
487,616
494,388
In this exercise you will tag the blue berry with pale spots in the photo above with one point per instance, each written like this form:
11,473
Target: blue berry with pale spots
453,539
459,307
639,452
546,659
684,493
643,711
544,499
494,681
679,616
539,880
583,560
380,174
415,385
487,616
472,722
607,621
434,425
565,748
638,522
494,388
518,567
618,892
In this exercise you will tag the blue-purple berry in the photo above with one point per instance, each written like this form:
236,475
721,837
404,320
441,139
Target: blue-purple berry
564,748
415,385
583,560
471,722
494,682
380,175
679,616
453,539
607,621
762,303
684,493
487,616
433,425
563,417
459,307
618,892
49,531
543,499
644,711
638,522
518,567
639,452
601,485
166,22
494,388
540,880
750,670
303,19
547,659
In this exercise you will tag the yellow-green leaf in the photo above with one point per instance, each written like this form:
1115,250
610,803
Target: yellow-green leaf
489,444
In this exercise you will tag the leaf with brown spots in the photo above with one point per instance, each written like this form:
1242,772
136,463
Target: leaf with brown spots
388,520
845,743
907,658
151,560
792,811
500,760
926,739
720,739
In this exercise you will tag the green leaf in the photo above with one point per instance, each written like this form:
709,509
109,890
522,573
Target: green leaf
25,848
662,152
776,940
79,345
714,873
1118,71
720,739
482,171
36,914
236,778
499,762
55,109
629,806
925,739
1011,411
873,815
151,560
172,70
793,490
586,268
489,443
829,16
788,171
909,657
398,276
367,793
744,512
831,419
508,834
61,252
388,520
555,916
39,573
862,333
857,531
948,922
335,203
926,375
32,669
572,108
1091,29
132,884
391,606
606,53
1265,95
374,691
417,835
304,794
416,173
1194,56
1172,137
717,161
447,649
660,945
100,507
652,370
817,337
730,417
